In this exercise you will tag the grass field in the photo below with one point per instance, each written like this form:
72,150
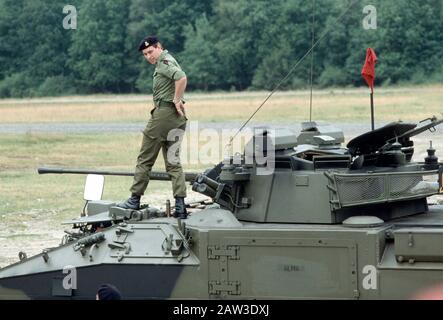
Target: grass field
22,188
346,105
32,206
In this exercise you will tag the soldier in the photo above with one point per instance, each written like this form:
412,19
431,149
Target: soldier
169,84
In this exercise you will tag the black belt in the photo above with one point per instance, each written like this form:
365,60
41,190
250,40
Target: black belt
160,104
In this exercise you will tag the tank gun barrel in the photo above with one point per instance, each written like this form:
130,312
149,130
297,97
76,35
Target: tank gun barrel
153,175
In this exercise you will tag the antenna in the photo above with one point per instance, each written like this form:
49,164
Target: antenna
322,35
312,58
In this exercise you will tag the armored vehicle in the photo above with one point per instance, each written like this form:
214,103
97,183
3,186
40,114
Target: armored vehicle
294,216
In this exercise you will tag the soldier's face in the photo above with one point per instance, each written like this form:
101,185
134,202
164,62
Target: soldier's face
152,53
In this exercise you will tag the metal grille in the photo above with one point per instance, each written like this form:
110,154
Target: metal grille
360,189
352,190
402,186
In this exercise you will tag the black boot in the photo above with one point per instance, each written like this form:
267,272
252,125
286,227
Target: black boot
180,208
132,203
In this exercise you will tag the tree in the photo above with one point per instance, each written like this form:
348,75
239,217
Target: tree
199,56
239,29
289,39
221,44
167,20
33,44
97,54
411,38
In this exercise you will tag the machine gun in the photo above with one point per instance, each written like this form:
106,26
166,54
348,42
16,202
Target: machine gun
433,122
392,140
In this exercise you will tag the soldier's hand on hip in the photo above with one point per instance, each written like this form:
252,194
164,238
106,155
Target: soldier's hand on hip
180,108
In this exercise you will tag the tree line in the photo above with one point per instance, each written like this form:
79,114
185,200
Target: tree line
221,44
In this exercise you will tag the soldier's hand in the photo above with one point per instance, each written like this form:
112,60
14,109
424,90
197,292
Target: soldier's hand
180,108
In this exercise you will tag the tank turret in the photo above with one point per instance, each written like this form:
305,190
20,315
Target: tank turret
372,176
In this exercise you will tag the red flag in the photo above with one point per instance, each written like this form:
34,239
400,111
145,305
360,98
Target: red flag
368,71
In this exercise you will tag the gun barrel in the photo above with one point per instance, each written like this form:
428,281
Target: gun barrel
413,132
153,175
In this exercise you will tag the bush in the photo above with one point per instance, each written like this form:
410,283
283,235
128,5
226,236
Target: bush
144,81
437,76
16,85
55,86
299,83
333,76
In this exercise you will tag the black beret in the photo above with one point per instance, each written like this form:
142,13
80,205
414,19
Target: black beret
108,292
146,42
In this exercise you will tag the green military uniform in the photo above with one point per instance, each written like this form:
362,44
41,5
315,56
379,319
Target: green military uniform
164,118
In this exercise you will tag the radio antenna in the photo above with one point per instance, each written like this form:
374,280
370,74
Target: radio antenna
312,58
320,38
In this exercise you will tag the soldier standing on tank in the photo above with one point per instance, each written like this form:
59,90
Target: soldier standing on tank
169,83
